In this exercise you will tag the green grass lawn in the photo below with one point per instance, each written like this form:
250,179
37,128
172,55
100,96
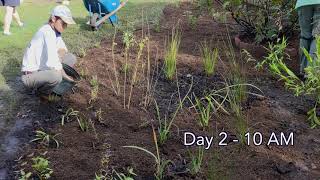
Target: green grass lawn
34,13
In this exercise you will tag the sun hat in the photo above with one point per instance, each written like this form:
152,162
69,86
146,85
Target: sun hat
64,13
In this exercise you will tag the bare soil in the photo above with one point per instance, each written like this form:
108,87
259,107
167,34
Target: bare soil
82,154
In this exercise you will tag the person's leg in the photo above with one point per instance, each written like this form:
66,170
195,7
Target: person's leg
305,21
7,20
315,30
42,81
17,17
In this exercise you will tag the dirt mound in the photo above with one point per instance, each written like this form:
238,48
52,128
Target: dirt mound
112,125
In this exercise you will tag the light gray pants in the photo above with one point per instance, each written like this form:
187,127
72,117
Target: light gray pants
45,81
309,19
42,81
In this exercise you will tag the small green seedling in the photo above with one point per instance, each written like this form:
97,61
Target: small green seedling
209,58
45,138
24,175
122,176
100,177
83,123
68,115
192,21
204,108
196,161
41,167
94,83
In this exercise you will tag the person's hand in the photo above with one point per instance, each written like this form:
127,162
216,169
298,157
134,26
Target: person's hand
68,78
62,53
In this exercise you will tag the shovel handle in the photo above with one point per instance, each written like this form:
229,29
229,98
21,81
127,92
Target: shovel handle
110,14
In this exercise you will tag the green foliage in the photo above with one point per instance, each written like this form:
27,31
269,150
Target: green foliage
204,108
45,138
196,161
68,115
209,58
83,123
125,68
94,83
205,4
311,85
100,177
122,176
24,175
41,167
71,114
265,20
170,61
192,21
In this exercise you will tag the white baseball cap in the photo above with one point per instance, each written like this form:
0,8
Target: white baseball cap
64,13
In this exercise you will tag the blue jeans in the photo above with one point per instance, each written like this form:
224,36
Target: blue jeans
309,19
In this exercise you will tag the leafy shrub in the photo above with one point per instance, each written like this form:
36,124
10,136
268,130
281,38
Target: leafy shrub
264,20
311,84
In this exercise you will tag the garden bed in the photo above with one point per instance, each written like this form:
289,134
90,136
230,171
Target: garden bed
100,149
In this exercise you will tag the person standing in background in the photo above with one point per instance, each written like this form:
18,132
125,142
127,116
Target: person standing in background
11,12
309,19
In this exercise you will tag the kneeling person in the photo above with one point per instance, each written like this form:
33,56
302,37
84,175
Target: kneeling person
42,66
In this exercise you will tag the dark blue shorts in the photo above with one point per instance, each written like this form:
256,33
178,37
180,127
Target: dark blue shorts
12,3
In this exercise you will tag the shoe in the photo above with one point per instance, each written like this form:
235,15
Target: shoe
22,25
7,33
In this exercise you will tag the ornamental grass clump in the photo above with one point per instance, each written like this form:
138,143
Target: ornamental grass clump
196,161
205,108
209,58
170,61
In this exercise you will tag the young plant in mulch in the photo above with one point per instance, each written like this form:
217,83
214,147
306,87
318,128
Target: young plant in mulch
205,108
41,167
192,21
209,58
170,61
161,164
311,84
196,161
71,115
237,91
24,175
124,176
94,83
128,40
45,138
115,83
166,124
134,78
68,116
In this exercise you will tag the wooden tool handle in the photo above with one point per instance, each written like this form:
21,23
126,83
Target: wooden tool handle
110,14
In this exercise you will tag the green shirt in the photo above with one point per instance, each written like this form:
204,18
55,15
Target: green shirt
306,3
